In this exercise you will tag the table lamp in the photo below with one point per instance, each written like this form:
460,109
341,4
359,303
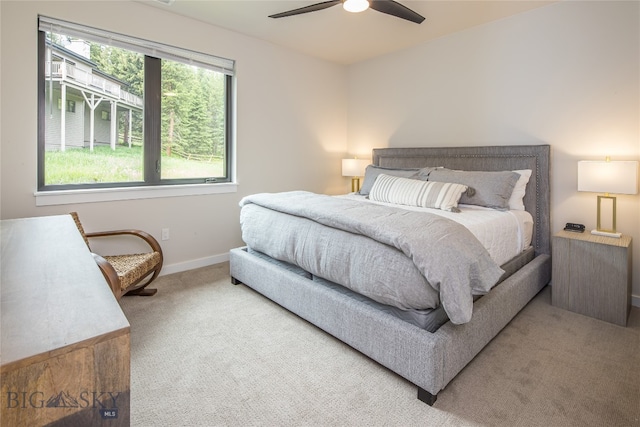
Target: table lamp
355,169
617,177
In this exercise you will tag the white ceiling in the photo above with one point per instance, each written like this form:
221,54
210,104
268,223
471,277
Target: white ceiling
336,35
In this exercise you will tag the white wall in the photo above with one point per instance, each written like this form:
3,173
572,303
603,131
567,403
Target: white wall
566,74
291,125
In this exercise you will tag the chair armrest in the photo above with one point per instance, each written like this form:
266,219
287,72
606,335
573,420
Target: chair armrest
109,273
151,241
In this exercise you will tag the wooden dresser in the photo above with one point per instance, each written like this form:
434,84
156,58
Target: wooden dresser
65,350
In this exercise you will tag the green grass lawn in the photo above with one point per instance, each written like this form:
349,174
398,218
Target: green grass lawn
124,164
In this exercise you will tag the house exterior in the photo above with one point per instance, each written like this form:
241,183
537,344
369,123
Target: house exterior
93,101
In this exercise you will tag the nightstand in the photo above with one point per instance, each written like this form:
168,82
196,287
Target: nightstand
591,275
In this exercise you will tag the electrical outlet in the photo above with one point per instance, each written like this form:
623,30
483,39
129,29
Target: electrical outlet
165,234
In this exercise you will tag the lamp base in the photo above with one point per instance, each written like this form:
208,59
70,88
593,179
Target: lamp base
355,184
606,233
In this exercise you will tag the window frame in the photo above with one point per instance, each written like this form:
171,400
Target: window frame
152,143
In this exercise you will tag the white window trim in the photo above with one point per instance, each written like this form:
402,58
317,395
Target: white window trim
94,195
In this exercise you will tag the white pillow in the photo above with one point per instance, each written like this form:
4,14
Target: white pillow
413,192
515,202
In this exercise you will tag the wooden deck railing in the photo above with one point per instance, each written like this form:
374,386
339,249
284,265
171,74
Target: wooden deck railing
90,81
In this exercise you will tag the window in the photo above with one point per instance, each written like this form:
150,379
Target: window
146,114
71,105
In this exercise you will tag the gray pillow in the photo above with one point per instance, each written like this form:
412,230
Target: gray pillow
372,172
423,173
492,189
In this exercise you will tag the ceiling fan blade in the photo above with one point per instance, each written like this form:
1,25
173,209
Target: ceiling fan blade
391,7
306,9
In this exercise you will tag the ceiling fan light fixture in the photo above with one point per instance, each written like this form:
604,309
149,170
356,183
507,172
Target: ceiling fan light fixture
389,7
355,5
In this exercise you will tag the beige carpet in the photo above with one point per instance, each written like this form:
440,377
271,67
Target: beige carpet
207,353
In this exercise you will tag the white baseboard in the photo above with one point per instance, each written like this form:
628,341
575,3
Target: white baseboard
195,263
635,300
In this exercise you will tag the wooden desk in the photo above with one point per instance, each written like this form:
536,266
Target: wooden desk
64,339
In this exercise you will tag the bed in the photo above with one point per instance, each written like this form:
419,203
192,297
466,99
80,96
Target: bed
428,356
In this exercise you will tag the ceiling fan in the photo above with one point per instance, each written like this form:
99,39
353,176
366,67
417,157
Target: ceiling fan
389,7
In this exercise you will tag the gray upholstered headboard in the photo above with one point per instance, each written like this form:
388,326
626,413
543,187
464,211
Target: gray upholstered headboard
491,158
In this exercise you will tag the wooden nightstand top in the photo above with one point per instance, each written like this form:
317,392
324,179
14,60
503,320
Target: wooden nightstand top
623,241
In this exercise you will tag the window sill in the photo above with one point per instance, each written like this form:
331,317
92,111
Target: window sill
67,197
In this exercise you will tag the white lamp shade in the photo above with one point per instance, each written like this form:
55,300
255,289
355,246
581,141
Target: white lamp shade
617,177
354,167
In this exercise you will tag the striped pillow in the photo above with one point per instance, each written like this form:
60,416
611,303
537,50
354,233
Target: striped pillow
413,192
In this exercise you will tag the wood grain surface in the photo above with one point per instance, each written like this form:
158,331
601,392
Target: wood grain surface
592,275
65,341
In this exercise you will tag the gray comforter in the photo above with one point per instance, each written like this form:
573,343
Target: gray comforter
342,240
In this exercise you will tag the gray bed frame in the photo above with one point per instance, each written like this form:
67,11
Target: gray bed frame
428,360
